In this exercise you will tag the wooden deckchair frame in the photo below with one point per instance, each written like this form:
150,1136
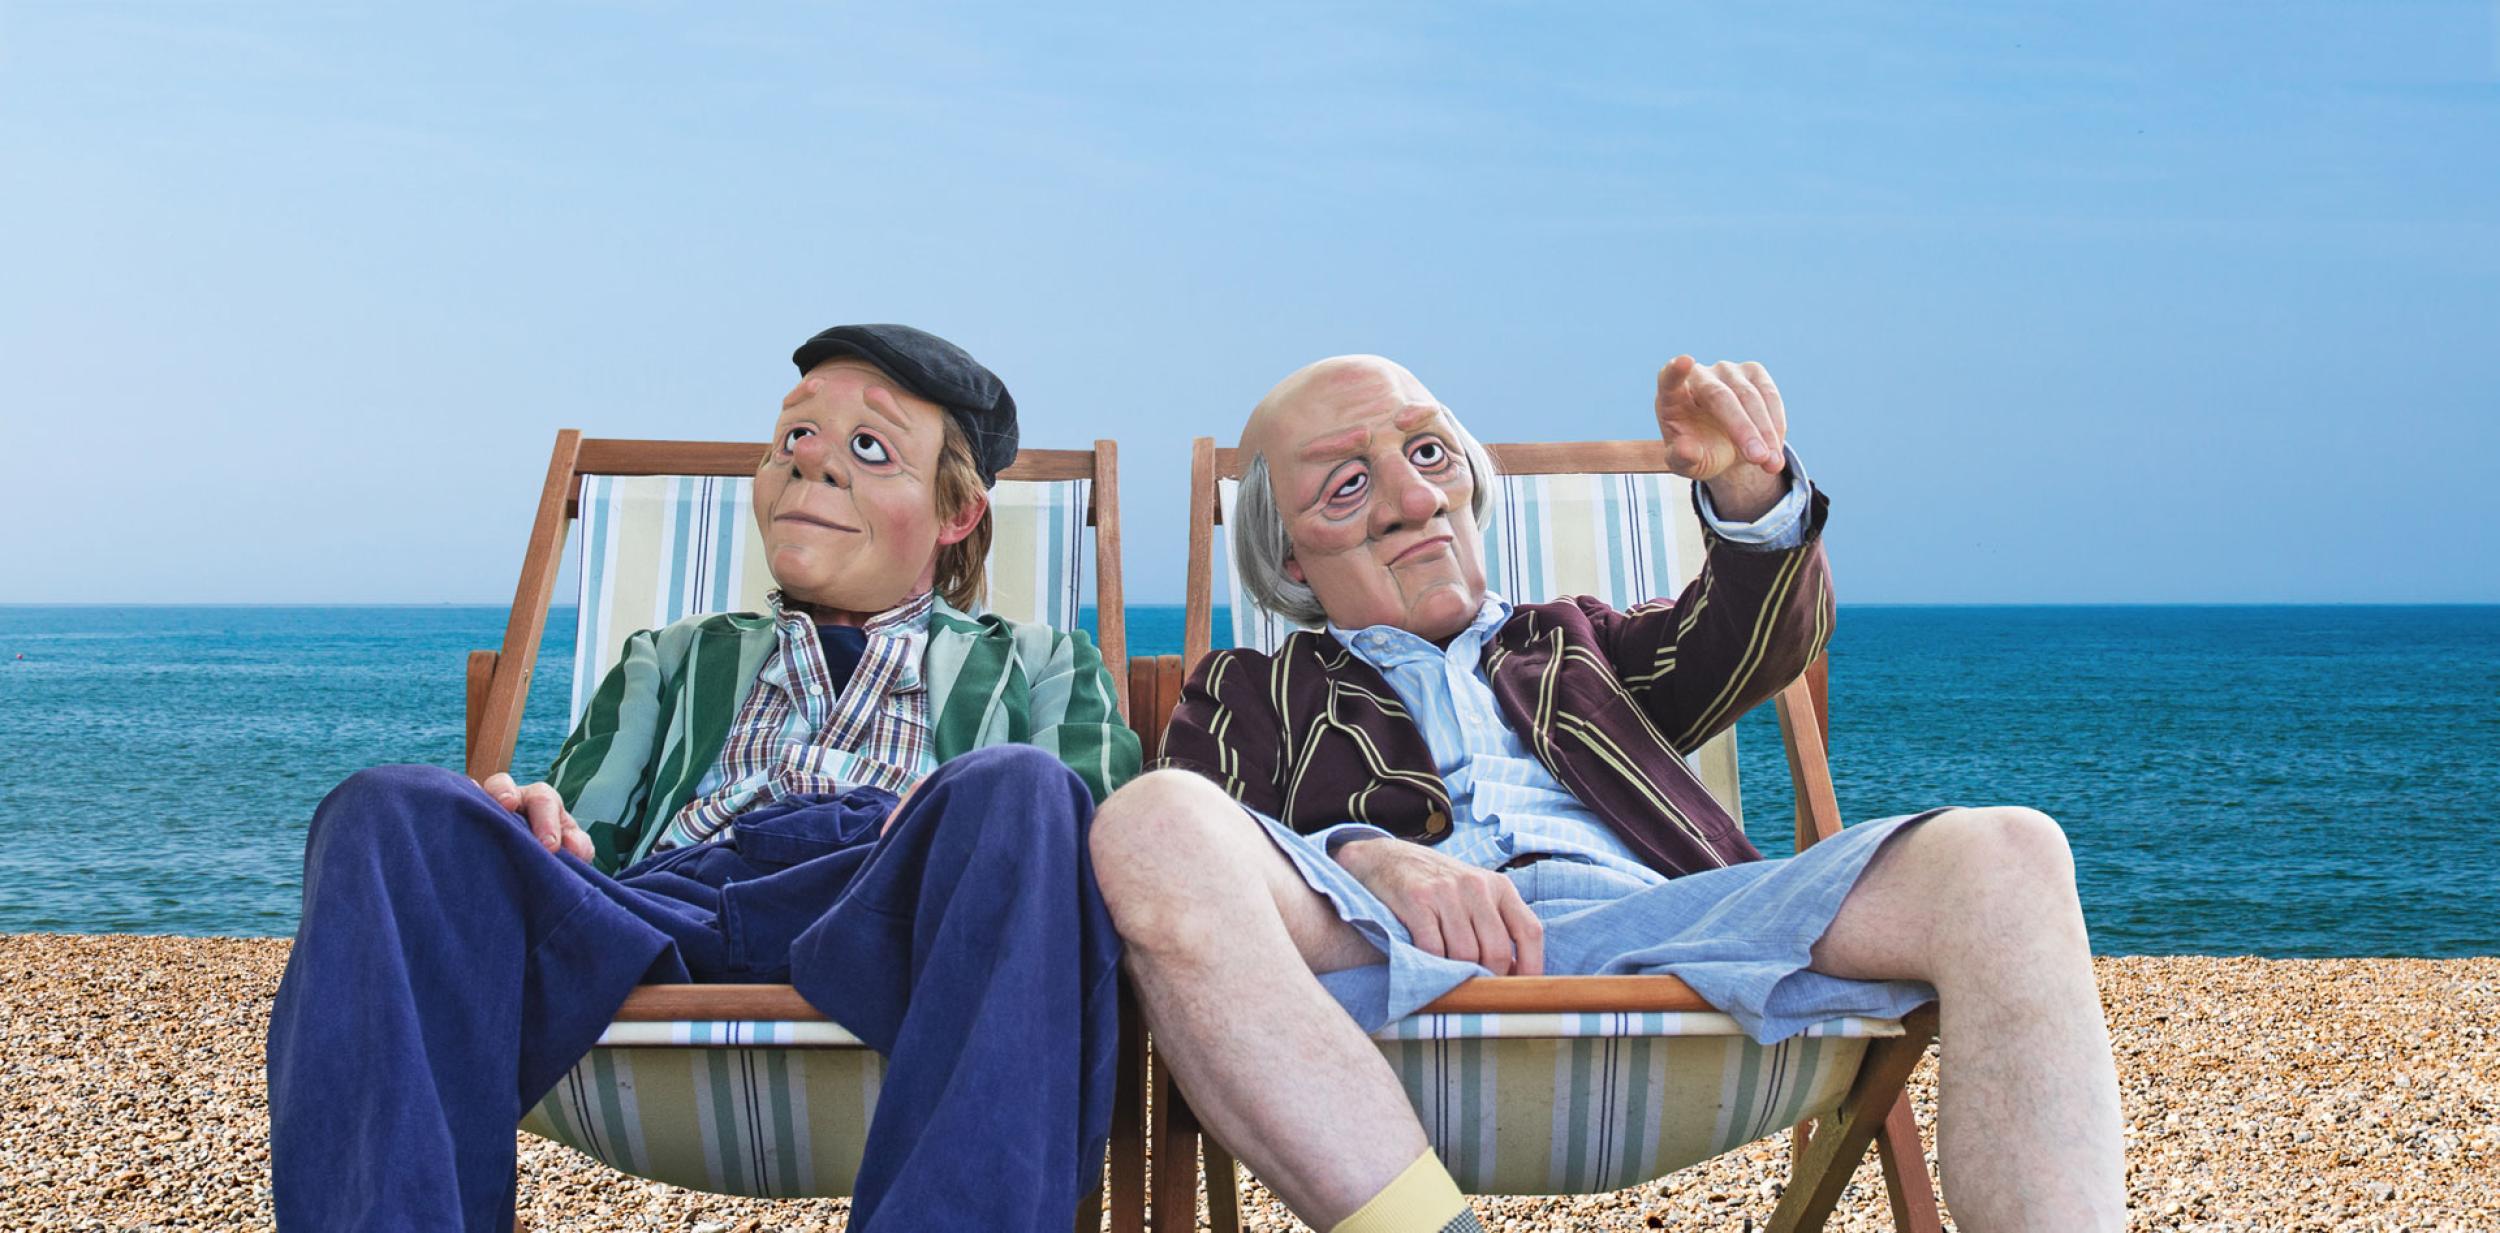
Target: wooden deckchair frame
499,681
1824,1153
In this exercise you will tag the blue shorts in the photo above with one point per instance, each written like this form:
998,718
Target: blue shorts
1740,936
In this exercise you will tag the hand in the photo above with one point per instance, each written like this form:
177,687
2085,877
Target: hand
1454,909
544,810
1711,417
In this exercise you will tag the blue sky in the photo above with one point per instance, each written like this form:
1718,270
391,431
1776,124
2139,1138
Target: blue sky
2072,303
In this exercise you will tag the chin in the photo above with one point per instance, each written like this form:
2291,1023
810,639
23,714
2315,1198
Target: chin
1442,614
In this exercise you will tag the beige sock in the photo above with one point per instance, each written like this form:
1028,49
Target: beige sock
1423,1199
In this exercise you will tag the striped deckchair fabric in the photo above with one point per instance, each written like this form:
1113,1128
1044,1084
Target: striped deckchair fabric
1588,1103
651,549
752,1107
739,1113
1626,538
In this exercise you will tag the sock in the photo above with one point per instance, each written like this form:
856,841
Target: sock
1421,1200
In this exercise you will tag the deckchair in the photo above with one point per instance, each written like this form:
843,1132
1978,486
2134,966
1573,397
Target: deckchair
1586,1084
746,1089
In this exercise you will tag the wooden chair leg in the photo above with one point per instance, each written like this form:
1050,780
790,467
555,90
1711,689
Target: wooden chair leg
1223,1186
1174,1149
1914,1206
1839,1140
1128,1122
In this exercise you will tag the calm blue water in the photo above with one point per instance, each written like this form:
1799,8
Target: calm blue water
2274,781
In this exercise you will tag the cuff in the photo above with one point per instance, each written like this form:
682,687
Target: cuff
1782,527
1343,833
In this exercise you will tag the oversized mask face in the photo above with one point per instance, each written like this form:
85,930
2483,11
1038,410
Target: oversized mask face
847,495
1375,496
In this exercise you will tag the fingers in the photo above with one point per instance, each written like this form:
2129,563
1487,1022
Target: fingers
500,786
1527,933
545,812
1757,411
1770,396
1726,411
1493,948
1671,378
1425,927
1478,917
577,842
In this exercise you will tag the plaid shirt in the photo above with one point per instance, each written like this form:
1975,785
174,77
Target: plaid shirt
794,734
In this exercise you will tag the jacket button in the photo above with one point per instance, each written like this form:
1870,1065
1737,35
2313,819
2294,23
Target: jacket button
1436,822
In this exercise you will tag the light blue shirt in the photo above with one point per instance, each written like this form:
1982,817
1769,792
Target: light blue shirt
1504,804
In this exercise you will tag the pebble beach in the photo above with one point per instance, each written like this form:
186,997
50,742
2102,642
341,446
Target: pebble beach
2325,1094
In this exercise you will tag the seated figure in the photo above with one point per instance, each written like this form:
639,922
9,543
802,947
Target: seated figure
825,795
1441,783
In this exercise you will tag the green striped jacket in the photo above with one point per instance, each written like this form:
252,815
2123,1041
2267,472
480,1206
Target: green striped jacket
661,715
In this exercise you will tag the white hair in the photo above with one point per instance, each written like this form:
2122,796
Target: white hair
1261,547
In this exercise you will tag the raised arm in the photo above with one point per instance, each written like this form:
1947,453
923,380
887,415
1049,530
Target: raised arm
1758,612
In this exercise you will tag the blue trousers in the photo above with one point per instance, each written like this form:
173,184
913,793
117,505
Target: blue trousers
448,971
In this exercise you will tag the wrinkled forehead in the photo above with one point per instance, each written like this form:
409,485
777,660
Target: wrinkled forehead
1335,408
849,383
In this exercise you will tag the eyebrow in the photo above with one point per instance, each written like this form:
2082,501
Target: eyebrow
1350,441
901,425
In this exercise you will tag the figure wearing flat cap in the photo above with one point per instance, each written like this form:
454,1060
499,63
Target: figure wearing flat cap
866,792
1438,784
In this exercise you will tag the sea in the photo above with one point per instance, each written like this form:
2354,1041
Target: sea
2277,781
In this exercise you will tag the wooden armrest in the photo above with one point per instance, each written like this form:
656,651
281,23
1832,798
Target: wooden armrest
1144,683
669,1003
481,676
1564,994
1483,995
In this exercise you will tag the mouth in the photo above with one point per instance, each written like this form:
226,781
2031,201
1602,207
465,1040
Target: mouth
807,519
1420,548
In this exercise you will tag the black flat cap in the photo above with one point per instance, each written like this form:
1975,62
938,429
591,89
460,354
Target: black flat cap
937,370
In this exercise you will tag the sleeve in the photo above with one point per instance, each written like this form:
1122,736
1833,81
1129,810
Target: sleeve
1331,838
1076,716
1781,527
1226,729
600,770
1748,624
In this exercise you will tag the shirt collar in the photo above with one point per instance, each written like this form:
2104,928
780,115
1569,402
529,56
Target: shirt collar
908,621
1385,646
909,617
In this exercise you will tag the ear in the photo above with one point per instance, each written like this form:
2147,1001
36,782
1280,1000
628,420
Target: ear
1293,570
953,530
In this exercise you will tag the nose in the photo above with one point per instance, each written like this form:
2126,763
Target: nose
1408,500
813,460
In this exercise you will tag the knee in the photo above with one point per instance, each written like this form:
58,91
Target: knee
2013,849
392,805
1161,846
391,792
1015,769
1160,813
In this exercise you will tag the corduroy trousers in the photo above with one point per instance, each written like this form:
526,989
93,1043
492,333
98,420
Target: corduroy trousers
448,970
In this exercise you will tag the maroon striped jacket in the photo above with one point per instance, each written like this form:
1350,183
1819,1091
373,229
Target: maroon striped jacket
1312,736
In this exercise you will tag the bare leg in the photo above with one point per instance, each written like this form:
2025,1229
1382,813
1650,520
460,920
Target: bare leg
1223,937
1981,904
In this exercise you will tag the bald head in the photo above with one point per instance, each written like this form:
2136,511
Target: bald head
1371,495
1337,389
